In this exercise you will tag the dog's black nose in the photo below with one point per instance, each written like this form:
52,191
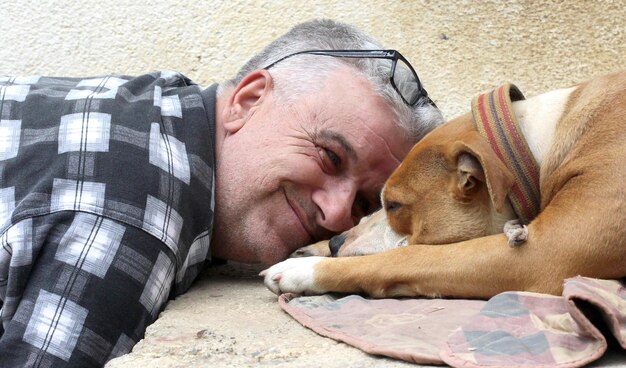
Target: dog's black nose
335,243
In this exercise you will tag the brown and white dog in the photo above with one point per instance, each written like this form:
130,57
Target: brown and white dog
459,187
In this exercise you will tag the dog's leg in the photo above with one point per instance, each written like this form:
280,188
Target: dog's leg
570,237
430,270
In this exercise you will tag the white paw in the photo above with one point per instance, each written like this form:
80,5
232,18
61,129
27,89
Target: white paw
516,233
294,275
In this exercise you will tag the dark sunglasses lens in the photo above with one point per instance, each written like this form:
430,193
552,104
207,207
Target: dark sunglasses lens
406,83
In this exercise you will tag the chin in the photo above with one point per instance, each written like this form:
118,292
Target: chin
270,252
262,246
272,256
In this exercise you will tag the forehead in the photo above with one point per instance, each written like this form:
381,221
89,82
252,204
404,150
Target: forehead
349,102
348,107
423,170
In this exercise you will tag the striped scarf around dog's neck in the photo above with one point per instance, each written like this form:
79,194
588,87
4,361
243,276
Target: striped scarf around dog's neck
496,122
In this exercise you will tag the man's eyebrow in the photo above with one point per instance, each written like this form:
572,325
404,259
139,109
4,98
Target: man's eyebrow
341,140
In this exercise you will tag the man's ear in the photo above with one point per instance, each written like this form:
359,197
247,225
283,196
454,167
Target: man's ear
478,163
246,98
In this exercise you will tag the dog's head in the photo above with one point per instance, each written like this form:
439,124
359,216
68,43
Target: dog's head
450,187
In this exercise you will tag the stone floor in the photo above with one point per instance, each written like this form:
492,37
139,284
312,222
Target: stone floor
229,319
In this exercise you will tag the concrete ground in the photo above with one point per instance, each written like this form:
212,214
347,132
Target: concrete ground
229,319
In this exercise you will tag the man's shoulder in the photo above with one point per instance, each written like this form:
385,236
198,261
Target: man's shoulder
111,144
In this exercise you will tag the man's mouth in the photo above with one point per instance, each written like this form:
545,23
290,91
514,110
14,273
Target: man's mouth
302,219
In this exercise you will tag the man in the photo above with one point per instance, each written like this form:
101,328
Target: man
115,191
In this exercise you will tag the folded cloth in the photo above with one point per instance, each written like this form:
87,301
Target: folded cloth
408,329
518,329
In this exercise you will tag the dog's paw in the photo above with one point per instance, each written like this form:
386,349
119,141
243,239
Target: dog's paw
294,275
516,232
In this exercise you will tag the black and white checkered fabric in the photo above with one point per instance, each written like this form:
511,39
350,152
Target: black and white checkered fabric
106,210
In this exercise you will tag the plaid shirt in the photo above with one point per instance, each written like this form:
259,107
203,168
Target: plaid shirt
131,162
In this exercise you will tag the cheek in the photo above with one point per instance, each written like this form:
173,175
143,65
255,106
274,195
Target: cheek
449,222
401,221
304,173
296,168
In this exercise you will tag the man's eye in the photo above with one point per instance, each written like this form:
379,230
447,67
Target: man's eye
333,158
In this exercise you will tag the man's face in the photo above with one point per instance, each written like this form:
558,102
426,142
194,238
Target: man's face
291,175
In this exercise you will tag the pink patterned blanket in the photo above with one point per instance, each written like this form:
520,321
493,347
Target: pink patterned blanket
511,329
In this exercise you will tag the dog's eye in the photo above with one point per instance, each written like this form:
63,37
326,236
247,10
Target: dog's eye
391,206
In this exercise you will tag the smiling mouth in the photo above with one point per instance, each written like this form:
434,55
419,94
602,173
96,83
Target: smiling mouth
301,219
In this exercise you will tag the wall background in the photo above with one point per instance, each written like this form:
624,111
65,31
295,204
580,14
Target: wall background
458,47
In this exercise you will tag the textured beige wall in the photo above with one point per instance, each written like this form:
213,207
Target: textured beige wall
459,47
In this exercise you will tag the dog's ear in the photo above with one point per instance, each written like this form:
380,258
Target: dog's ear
477,162
469,173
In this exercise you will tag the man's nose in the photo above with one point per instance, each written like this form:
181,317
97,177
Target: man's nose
335,201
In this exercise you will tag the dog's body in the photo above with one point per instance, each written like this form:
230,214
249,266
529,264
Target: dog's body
451,189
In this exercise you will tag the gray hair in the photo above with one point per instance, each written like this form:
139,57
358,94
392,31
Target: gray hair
297,76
